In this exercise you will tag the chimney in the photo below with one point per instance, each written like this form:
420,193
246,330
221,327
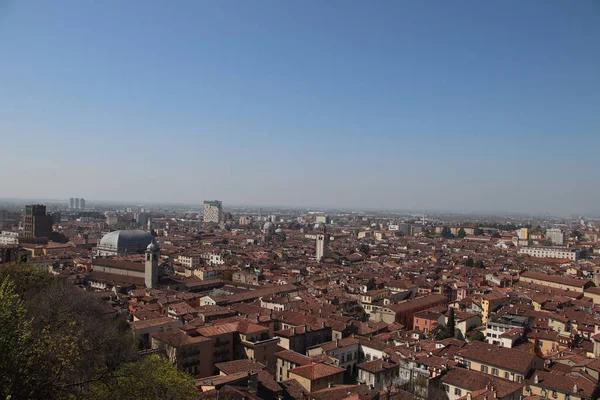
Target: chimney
469,397
330,384
337,342
85,239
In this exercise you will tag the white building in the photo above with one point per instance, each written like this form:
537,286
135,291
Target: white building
9,237
523,233
213,211
190,260
556,236
551,252
322,219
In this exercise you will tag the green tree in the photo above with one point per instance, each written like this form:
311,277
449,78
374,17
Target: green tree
478,264
15,341
447,233
398,233
57,342
469,262
451,324
439,332
364,248
478,231
461,233
496,235
477,337
576,234
150,378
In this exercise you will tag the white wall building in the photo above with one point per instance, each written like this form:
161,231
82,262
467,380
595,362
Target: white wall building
556,236
551,252
213,211
9,237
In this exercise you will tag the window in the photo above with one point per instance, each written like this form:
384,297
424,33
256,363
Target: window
495,371
457,392
446,388
506,375
484,369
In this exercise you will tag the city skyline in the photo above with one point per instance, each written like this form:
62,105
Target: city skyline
457,107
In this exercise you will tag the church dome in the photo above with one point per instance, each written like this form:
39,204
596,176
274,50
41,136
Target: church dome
269,227
133,241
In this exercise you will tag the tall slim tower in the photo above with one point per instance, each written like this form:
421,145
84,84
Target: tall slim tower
597,276
71,202
151,265
322,243
82,203
76,202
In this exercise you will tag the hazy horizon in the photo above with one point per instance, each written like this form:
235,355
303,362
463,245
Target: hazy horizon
465,107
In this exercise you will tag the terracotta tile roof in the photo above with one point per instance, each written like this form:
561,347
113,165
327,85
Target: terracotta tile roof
295,390
376,366
505,358
237,366
474,381
293,357
563,383
418,302
556,279
178,338
316,371
118,264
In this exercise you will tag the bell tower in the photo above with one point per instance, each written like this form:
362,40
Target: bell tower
151,265
597,276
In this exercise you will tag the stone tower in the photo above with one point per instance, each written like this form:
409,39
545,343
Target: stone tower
322,243
151,263
597,276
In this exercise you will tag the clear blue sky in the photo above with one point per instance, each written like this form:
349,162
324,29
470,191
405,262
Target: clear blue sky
451,105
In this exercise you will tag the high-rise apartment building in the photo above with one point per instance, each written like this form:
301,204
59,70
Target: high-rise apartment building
213,211
556,236
76,205
71,202
36,223
523,233
82,204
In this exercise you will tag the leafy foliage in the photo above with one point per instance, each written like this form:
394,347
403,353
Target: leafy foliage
364,248
477,337
461,233
58,342
447,233
150,378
